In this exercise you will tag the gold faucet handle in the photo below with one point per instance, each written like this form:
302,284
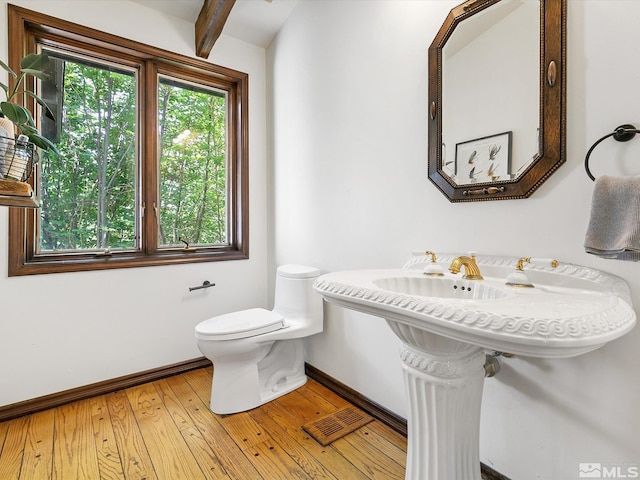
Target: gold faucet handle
433,269
433,255
544,262
520,279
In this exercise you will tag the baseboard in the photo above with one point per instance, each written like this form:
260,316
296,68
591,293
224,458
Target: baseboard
377,411
56,399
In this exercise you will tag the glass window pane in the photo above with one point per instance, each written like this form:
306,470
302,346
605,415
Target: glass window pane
88,191
193,164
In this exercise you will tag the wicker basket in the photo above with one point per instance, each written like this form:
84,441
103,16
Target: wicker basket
17,158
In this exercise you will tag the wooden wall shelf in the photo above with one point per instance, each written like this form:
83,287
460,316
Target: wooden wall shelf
17,194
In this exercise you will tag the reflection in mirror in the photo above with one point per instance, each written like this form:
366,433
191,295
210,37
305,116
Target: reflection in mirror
496,95
476,58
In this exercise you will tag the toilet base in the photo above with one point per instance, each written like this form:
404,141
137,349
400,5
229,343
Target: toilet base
289,387
274,370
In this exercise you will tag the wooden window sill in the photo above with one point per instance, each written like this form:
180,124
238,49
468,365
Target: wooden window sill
17,194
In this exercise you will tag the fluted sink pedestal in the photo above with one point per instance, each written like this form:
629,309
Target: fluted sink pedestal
444,390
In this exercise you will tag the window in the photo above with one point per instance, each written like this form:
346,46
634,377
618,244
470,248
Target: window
89,190
152,167
192,125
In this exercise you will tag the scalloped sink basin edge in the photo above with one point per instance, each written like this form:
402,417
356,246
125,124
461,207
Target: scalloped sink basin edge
577,309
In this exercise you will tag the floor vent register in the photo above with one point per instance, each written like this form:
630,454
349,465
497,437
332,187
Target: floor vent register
336,425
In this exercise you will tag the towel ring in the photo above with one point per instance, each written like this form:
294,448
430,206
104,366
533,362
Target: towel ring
623,133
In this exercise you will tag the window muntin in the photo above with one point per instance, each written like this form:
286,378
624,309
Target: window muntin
192,126
30,31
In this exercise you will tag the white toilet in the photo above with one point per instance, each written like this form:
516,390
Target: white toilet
258,354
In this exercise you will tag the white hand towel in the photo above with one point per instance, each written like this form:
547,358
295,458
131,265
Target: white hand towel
614,225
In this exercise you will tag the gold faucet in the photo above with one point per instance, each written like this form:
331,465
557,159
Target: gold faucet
471,270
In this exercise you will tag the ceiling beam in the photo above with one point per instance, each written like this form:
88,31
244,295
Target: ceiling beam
211,20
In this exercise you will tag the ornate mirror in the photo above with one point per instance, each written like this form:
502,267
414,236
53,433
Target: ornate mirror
497,98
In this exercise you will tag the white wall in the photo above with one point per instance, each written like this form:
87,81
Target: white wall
61,331
350,190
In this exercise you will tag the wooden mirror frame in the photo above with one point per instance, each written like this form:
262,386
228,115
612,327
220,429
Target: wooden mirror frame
552,114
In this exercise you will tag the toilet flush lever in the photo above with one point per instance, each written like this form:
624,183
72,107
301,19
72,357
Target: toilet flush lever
205,284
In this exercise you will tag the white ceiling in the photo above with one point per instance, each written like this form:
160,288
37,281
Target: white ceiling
252,21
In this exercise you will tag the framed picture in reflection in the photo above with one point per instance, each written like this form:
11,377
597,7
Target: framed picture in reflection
486,159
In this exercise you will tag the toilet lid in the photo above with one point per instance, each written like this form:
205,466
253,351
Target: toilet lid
298,271
242,324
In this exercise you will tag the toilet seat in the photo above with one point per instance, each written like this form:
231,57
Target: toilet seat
242,324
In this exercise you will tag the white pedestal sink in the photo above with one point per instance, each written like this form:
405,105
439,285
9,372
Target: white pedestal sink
447,323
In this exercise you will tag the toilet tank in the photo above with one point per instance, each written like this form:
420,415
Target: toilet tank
295,298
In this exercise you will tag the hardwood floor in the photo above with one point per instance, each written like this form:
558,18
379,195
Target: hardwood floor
164,430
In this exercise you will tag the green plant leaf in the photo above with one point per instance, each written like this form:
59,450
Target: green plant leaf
28,129
36,73
6,67
40,141
43,104
16,113
27,113
34,61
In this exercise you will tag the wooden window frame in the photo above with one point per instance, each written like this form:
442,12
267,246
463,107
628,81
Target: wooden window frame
27,29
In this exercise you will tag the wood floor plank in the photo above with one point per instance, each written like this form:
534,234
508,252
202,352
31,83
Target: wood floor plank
386,440
299,405
135,459
274,463
74,453
390,434
167,448
200,381
4,426
316,461
38,449
291,420
326,401
172,403
370,460
204,455
181,396
315,392
382,444
235,463
244,430
13,449
109,461
164,430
